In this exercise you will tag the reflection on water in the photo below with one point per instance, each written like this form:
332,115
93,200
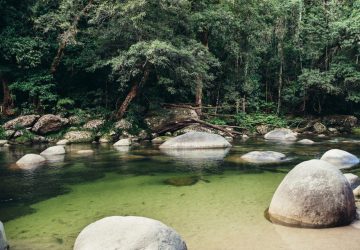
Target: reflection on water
213,201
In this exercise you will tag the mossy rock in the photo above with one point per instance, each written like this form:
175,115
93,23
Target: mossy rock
182,181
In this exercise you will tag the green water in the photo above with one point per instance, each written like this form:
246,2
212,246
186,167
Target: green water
219,203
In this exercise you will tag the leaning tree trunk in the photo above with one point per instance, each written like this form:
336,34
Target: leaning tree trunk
132,94
199,95
8,103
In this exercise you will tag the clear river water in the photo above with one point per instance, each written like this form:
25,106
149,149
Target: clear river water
212,198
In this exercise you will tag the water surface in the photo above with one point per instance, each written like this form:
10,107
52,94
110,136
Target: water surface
219,204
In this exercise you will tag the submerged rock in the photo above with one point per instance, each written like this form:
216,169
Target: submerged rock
30,161
79,136
281,134
3,241
263,157
306,142
130,233
340,158
123,142
353,180
49,123
314,194
55,150
25,121
85,152
196,140
182,181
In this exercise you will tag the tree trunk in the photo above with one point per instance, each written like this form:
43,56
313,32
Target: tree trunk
198,97
67,36
280,88
132,94
8,103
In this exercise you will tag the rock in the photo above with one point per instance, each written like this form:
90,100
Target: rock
123,142
79,136
3,241
94,124
55,150
104,139
314,194
182,181
354,180
306,142
85,152
229,138
3,142
130,233
262,129
245,137
63,142
39,139
319,128
344,121
196,140
356,192
9,133
263,157
321,136
160,139
155,120
123,124
49,123
281,134
340,158
25,121
333,130
75,120
30,161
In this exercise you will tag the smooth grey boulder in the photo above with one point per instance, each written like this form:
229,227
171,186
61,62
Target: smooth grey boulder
55,150
123,142
193,140
25,121
263,157
340,158
315,194
281,134
128,233
306,142
354,180
3,242
30,161
49,123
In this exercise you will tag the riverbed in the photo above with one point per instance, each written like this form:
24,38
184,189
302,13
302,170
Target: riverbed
212,198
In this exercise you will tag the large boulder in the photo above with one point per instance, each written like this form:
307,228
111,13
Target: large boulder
3,242
94,124
130,233
55,150
25,121
340,158
30,161
281,134
79,136
353,180
314,194
263,157
49,123
157,119
196,140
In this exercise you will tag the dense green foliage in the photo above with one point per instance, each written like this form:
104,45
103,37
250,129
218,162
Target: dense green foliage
107,55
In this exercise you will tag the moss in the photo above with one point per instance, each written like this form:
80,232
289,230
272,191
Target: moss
356,131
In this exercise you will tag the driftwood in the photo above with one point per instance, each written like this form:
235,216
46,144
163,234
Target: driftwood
171,127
